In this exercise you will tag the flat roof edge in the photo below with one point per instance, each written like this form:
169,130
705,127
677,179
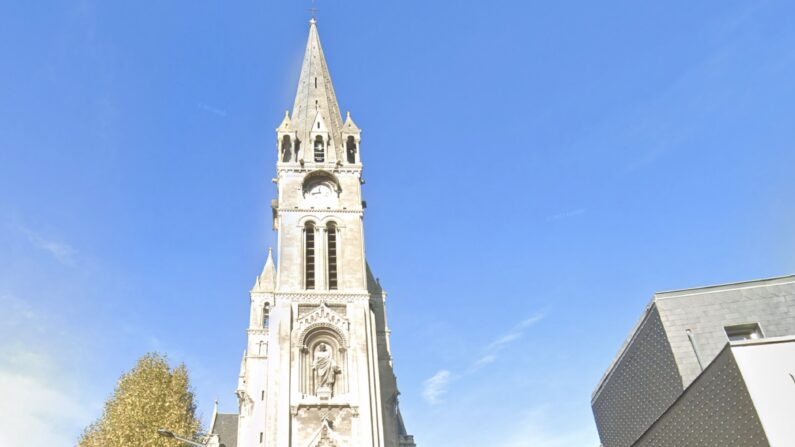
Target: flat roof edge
775,280
622,350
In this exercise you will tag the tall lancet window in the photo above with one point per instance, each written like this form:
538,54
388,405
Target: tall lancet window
309,255
320,150
266,315
350,149
286,149
331,252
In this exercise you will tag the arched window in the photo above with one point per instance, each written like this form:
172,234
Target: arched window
266,315
286,149
350,150
320,150
309,255
331,253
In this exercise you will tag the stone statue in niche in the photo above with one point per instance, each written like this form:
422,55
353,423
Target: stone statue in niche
325,370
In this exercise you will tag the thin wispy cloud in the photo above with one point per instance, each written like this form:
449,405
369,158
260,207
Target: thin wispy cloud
214,110
19,316
493,349
485,360
435,387
62,252
566,214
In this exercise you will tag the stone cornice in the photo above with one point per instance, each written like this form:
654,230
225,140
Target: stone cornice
313,403
317,298
307,168
319,210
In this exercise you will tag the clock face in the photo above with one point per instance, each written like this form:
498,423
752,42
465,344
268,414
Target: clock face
322,193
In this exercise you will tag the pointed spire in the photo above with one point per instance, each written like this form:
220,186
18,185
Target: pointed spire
349,125
315,92
266,281
285,125
214,417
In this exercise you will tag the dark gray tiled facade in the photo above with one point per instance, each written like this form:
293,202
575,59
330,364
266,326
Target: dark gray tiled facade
658,361
627,404
716,410
707,311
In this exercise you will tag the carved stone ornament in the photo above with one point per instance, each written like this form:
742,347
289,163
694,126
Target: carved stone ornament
323,316
246,403
325,436
333,298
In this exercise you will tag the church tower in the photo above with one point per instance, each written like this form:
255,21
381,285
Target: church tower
317,370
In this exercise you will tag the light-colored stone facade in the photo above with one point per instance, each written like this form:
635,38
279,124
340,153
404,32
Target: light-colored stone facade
317,370
679,335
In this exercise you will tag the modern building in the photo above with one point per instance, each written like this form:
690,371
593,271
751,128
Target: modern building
712,366
317,370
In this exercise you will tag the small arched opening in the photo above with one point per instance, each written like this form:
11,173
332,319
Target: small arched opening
350,150
331,254
286,149
320,149
266,315
309,255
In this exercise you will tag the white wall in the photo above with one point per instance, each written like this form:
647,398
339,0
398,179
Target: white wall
766,367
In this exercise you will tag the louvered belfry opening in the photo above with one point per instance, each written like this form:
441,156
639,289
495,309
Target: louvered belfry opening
331,250
286,149
309,261
350,146
320,150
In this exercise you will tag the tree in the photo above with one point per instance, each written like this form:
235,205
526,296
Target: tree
148,397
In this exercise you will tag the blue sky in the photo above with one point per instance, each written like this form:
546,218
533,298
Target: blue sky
535,172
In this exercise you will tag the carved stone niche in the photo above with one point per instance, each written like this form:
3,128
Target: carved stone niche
323,354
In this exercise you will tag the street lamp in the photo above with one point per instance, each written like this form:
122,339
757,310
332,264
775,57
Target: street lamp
170,434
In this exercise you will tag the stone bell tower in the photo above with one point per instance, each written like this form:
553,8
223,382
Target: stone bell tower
317,370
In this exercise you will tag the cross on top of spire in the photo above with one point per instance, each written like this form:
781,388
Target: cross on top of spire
313,10
315,100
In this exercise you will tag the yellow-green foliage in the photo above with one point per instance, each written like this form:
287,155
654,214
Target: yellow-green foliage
149,397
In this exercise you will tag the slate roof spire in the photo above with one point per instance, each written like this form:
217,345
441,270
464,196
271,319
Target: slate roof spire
315,93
